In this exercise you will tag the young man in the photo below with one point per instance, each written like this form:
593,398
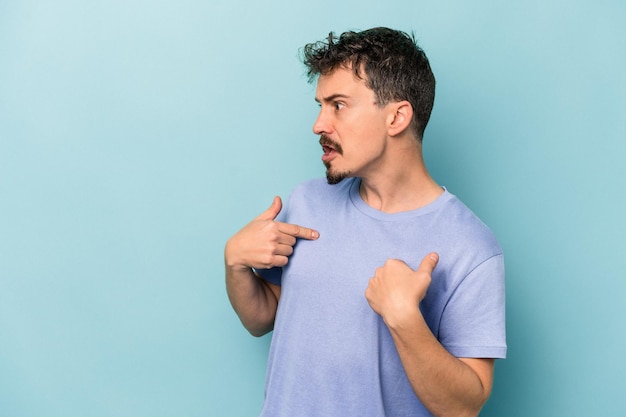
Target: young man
385,293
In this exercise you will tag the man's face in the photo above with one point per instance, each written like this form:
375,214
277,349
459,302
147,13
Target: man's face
351,125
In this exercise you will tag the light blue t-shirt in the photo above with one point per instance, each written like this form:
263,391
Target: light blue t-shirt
331,355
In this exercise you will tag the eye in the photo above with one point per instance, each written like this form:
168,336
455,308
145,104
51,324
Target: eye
338,105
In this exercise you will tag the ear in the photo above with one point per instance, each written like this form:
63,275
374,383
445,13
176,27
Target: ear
399,118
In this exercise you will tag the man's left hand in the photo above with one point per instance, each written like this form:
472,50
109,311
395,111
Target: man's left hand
396,289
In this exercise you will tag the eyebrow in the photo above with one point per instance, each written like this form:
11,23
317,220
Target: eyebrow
332,97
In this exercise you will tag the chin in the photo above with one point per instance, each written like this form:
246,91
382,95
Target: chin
336,177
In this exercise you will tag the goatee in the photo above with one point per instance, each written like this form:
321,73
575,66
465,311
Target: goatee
335,177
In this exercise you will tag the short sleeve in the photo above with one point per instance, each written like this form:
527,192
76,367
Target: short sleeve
272,275
473,321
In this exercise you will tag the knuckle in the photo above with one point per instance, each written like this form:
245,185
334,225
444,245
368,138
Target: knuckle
281,261
425,277
391,262
267,260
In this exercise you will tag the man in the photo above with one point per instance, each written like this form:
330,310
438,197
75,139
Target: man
385,293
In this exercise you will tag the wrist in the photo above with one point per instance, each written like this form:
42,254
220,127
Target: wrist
231,261
403,317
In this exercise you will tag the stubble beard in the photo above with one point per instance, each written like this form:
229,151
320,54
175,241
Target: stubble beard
335,177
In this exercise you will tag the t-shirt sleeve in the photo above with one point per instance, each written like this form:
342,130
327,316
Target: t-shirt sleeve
272,275
473,321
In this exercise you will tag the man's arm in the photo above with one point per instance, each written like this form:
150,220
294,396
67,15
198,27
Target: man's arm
262,243
446,385
253,299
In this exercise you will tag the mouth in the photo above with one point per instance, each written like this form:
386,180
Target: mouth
330,148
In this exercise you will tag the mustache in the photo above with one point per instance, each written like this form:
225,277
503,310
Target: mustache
325,141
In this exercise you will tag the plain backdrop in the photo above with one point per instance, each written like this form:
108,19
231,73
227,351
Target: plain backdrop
136,136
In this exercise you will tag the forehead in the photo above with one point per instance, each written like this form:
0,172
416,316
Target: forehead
341,81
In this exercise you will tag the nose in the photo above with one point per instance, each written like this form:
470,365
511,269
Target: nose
321,125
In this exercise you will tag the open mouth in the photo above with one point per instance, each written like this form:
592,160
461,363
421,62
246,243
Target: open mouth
329,147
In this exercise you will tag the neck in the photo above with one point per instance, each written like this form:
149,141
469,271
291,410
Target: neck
403,184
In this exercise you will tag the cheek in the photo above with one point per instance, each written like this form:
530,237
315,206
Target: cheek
363,137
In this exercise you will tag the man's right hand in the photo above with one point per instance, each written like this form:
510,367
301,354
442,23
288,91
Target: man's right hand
264,242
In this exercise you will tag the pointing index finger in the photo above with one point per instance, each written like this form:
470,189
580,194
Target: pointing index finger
299,231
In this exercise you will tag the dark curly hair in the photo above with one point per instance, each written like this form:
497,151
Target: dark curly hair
395,67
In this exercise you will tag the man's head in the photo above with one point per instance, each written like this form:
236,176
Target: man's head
389,61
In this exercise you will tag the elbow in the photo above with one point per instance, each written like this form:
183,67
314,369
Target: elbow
469,409
468,412
258,332
474,409
258,329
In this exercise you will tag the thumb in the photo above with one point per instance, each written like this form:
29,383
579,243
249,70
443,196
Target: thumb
272,211
429,263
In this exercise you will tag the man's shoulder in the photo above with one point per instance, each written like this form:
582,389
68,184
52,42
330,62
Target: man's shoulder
466,225
319,188
322,184
315,197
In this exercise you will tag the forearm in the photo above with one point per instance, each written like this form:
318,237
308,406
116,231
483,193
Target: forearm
262,243
252,299
446,385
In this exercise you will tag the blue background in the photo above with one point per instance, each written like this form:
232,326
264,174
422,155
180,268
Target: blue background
137,136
